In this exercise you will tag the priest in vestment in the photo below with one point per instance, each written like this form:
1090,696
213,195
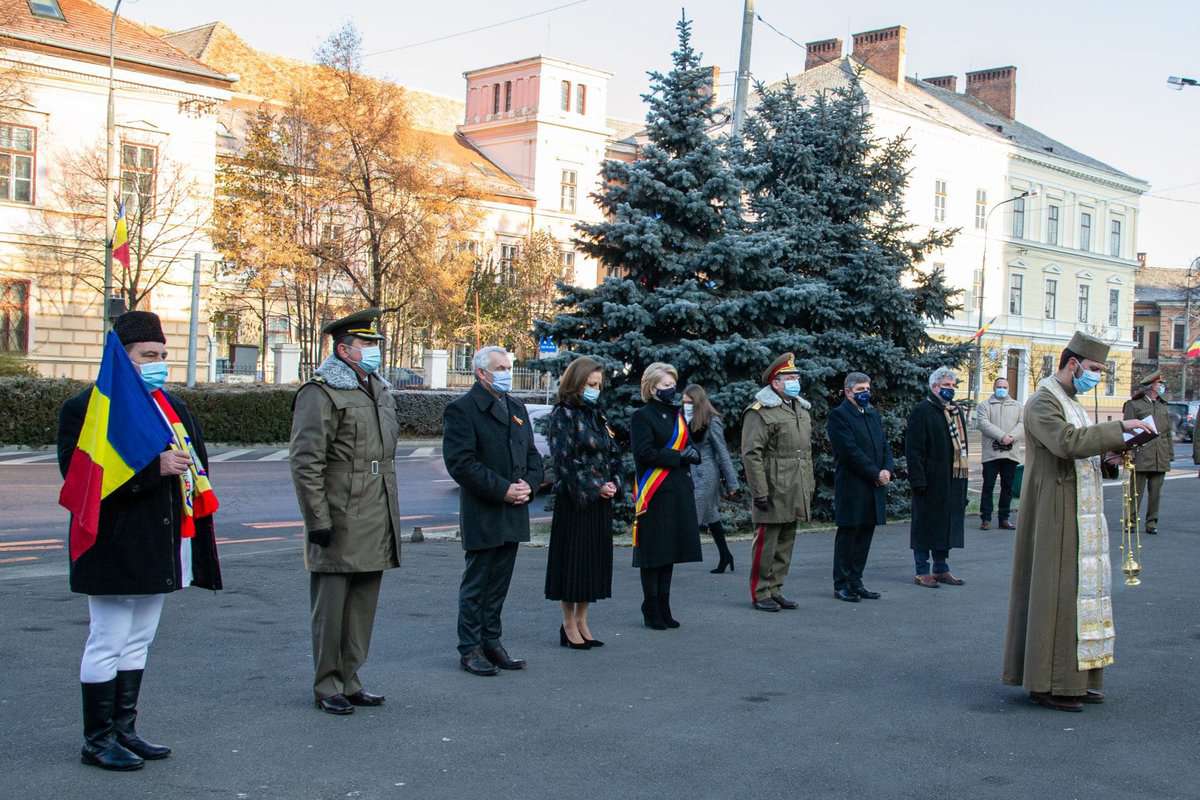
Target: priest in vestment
1060,622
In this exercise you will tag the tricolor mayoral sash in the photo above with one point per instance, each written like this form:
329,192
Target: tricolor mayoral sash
1095,633
648,482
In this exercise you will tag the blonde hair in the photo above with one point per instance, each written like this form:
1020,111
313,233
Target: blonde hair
653,374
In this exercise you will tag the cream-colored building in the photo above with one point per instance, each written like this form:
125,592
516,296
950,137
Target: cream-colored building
1059,261
55,52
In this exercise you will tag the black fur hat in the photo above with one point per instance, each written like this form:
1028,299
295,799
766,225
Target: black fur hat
138,326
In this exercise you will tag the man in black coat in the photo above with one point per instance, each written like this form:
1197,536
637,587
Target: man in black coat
487,444
863,469
141,553
935,447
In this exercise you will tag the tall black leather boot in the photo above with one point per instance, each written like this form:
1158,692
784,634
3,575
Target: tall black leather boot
100,745
129,686
664,596
651,612
717,531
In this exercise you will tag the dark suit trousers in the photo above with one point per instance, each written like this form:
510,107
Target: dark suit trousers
481,596
850,548
1006,470
343,615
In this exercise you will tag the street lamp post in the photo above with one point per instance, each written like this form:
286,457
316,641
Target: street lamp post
978,388
1187,321
110,134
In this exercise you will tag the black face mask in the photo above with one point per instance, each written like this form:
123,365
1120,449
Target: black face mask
863,399
666,395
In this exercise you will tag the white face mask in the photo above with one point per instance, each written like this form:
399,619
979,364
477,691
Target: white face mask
688,411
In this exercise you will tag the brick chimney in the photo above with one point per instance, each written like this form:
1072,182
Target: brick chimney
997,87
947,82
884,51
822,52
713,83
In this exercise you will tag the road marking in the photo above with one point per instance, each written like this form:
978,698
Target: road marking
229,454
416,516
443,480
250,541
269,525
421,452
278,455
30,459
30,548
20,543
15,560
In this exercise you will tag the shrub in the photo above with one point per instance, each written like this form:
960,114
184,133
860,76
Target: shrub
29,408
15,366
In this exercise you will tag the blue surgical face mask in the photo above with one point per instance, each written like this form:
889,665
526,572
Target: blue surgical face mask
591,394
1086,381
371,358
1002,393
689,410
502,381
791,387
946,393
863,398
154,374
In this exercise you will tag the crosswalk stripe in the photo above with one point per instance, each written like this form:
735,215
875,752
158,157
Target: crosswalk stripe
229,454
30,459
421,452
278,455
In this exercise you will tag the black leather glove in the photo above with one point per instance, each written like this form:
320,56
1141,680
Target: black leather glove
322,537
762,503
690,455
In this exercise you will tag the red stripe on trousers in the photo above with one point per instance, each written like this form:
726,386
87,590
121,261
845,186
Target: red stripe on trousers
759,541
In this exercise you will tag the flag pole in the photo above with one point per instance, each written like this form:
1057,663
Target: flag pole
110,134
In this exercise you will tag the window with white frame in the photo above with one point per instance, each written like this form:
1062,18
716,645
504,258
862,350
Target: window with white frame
939,201
1051,310
566,263
1177,336
1016,283
138,165
580,99
1114,244
1114,307
495,98
1018,218
1085,295
508,95
1052,214
279,330
47,9
980,209
18,153
1139,337
565,96
567,188
508,254
1085,231
14,317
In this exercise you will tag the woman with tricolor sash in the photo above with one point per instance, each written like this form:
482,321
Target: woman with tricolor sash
665,531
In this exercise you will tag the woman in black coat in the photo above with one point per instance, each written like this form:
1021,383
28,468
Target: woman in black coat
665,528
587,469
937,471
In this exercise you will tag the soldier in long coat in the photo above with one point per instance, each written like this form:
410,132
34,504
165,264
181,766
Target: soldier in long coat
487,445
777,457
344,432
1151,461
1060,626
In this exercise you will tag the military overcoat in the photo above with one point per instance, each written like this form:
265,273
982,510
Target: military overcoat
777,457
1155,455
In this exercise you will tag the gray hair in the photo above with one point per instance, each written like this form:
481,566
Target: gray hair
855,378
940,374
483,356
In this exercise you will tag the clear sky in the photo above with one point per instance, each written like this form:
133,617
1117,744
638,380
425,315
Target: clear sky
1091,74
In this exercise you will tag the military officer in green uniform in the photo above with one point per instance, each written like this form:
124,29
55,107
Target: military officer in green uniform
344,431
777,456
1151,461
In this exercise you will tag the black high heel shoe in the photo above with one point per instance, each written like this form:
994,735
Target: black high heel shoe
592,642
565,642
722,564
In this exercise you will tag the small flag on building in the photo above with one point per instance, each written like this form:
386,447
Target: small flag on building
120,240
1194,350
983,330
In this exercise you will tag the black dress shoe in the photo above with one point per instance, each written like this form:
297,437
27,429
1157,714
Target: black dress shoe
474,663
865,593
500,657
783,602
1152,531
849,595
364,698
766,605
335,704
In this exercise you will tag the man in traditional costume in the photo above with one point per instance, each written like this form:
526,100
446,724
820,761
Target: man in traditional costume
1060,622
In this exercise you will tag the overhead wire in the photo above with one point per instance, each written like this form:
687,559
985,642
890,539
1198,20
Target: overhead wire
476,30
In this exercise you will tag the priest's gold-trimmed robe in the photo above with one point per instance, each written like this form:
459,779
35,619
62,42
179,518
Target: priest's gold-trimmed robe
1060,630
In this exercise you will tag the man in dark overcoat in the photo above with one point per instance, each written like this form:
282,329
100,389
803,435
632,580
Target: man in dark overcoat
862,470
935,447
342,455
487,444
144,550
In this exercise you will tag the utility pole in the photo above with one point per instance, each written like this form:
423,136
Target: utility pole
1187,323
194,323
742,90
110,134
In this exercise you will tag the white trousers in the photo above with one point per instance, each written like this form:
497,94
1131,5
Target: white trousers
119,637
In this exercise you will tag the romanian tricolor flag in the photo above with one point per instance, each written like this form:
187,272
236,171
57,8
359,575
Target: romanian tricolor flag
122,434
1194,350
651,479
199,499
120,240
983,330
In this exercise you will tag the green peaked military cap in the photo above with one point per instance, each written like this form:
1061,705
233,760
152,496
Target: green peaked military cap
363,324
1151,379
1090,347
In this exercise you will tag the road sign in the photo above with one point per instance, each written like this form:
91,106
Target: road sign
547,348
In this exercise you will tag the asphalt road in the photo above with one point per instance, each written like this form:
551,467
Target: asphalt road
898,698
